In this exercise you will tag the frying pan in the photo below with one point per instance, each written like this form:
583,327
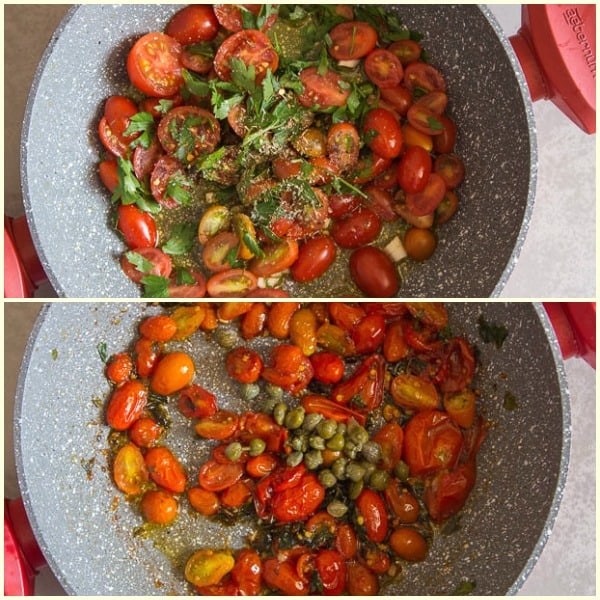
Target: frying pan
477,251
85,531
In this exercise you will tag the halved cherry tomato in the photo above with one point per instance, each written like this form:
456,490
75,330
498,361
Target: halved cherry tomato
383,131
331,567
461,407
346,315
165,170
322,90
364,386
423,77
414,169
205,502
425,120
230,15
208,567
192,24
407,51
458,366
112,142
444,142
159,506
146,355
119,367
374,273
377,559
328,367
451,169
188,290
370,166
253,322
412,137
403,504
399,98
174,371
154,65
381,202
259,466
278,257
195,402
217,251
216,477
390,437
129,470
435,101
188,319
426,201
244,365
165,470
236,495
414,392
371,507
218,426
144,159
313,403
383,68
351,40
303,330
346,542
447,492
126,404
395,347
356,229
343,145
315,256
250,46
200,62
234,283
108,171
447,208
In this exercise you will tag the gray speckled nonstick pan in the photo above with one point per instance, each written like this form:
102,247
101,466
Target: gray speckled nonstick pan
85,528
68,209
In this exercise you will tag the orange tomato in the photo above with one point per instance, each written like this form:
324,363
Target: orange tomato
126,404
205,502
158,328
165,470
159,507
253,322
119,368
188,320
461,407
145,432
408,544
129,470
303,330
173,372
279,318
219,426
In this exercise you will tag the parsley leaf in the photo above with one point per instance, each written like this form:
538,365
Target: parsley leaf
184,277
131,190
155,286
141,122
181,240
178,189
139,262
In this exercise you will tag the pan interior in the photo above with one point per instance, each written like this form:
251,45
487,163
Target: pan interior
60,153
87,531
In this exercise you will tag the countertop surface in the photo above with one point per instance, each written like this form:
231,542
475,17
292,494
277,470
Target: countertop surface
562,229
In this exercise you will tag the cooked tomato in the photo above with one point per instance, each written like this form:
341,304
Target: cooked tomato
259,466
313,403
165,470
119,367
368,333
288,368
444,142
145,432
109,175
414,392
216,477
280,317
361,580
154,65
146,355
408,51
451,169
461,407
234,283
395,347
300,501
126,404
425,120
244,365
205,502
144,159
390,437
383,68
247,572
277,258
283,577
346,542
351,40
374,273
236,495
343,145
356,229
408,543
167,171
192,24
315,256
174,371
363,389
424,78
383,133
419,244
371,507
188,290
196,402
250,46
447,492
414,169
331,567
426,201
323,90
129,470
218,426
403,504
159,506
328,367
158,328
458,366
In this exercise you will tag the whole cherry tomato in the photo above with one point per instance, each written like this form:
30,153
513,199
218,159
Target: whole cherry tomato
159,506
218,426
145,432
247,572
331,567
192,24
298,502
283,577
356,229
315,256
173,372
408,544
447,492
328,367
374,273
368,333
383,131
165,470
414,169
371,507
126,404
288,368
119,367
158,328
244,365
361,580
138,227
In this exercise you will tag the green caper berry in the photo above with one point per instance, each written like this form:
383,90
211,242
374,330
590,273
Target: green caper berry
298,443
279,412
268,404
234,451
342,428
371,451
338,468
401,471
369,468
336,442
226,339
274,391
359,435
336,508
294,459
327,429
379,480
294,418
351,449
355,472
257,447
316,442
327,478
313,459
311,421
250,391
355,488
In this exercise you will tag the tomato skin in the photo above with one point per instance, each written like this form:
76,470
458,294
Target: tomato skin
408,543
158,328
346,542
165,470
352,40
129,470
331,566
216,251
194,23
424,119
390,438
108,172
145,432
426,201
383,68
298,502
342,204
445,141
374,273
288,368
371,507
159,507
361,580
324,91
381,202
403,505
368,333
119,368
424,77
447,492
366,383
356,229
247,572
414,392
328,367
188,290
414,169
146,355
313,403
244,365
260,466
165,169
144,159
282,576
398,98
161,261
236,495
451,169
126,404
161,76
280,317
447,208
458,366
387,141
218,426
205,502
216,477
195,402
395,347
112,142
173,372
420,244
278,257
233,283
315,256
369,167
254,321
229,16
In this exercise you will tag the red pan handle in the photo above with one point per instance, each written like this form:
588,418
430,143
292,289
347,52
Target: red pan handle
556,47
575,326
23,272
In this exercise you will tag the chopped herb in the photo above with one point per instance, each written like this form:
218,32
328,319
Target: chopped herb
131,190
434,124
54,353
231,258
178,189
155,286
141,122
181,240
490,332
464,588
184,277
102,352
139,262
510,401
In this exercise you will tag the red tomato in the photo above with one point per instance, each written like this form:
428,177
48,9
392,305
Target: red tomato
159,507
374,273
267,293
369,167
431,442
119,368
259,466
247,572
218,426
407,51
383,68
426,201
250,46
160,264
364,386
381,202
244,365
126,404
188,290
342,204
145,432
425,120
138,227
395,347
217,251
451,169
414,169
328,367
313,403
174,371
447,208
343,145
299,502
447,492
346,542
288,368
235,283
154,65
216,477
408,544
356,229
390,437
435,101
146,354
192,24
399,98
166,169
361,580
118,111
444,142
158,328
144,159
109,174
196,402
457,366
283,577
165,470
424,77
368,334
199,63
230,15
205,502
315,256
404,506
371,507
345,315
325,91
278,257
383,132
351,40
331,567
236,495
112,142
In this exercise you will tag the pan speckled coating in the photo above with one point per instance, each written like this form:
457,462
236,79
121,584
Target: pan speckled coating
68,209
84,526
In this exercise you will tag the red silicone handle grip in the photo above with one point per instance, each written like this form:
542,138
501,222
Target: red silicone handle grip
556,47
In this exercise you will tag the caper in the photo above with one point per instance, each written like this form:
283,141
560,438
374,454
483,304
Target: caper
371,451
316,442
227,339
327,429
342,428
294,459
274,391
311,421
250,391
299,442
294,418
268,404
257,446
234,451
355,488
351,450
355,472
338,468
313,459
327,478
379,480
369,468
336,508
401,471
279,412
337,442
359,435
